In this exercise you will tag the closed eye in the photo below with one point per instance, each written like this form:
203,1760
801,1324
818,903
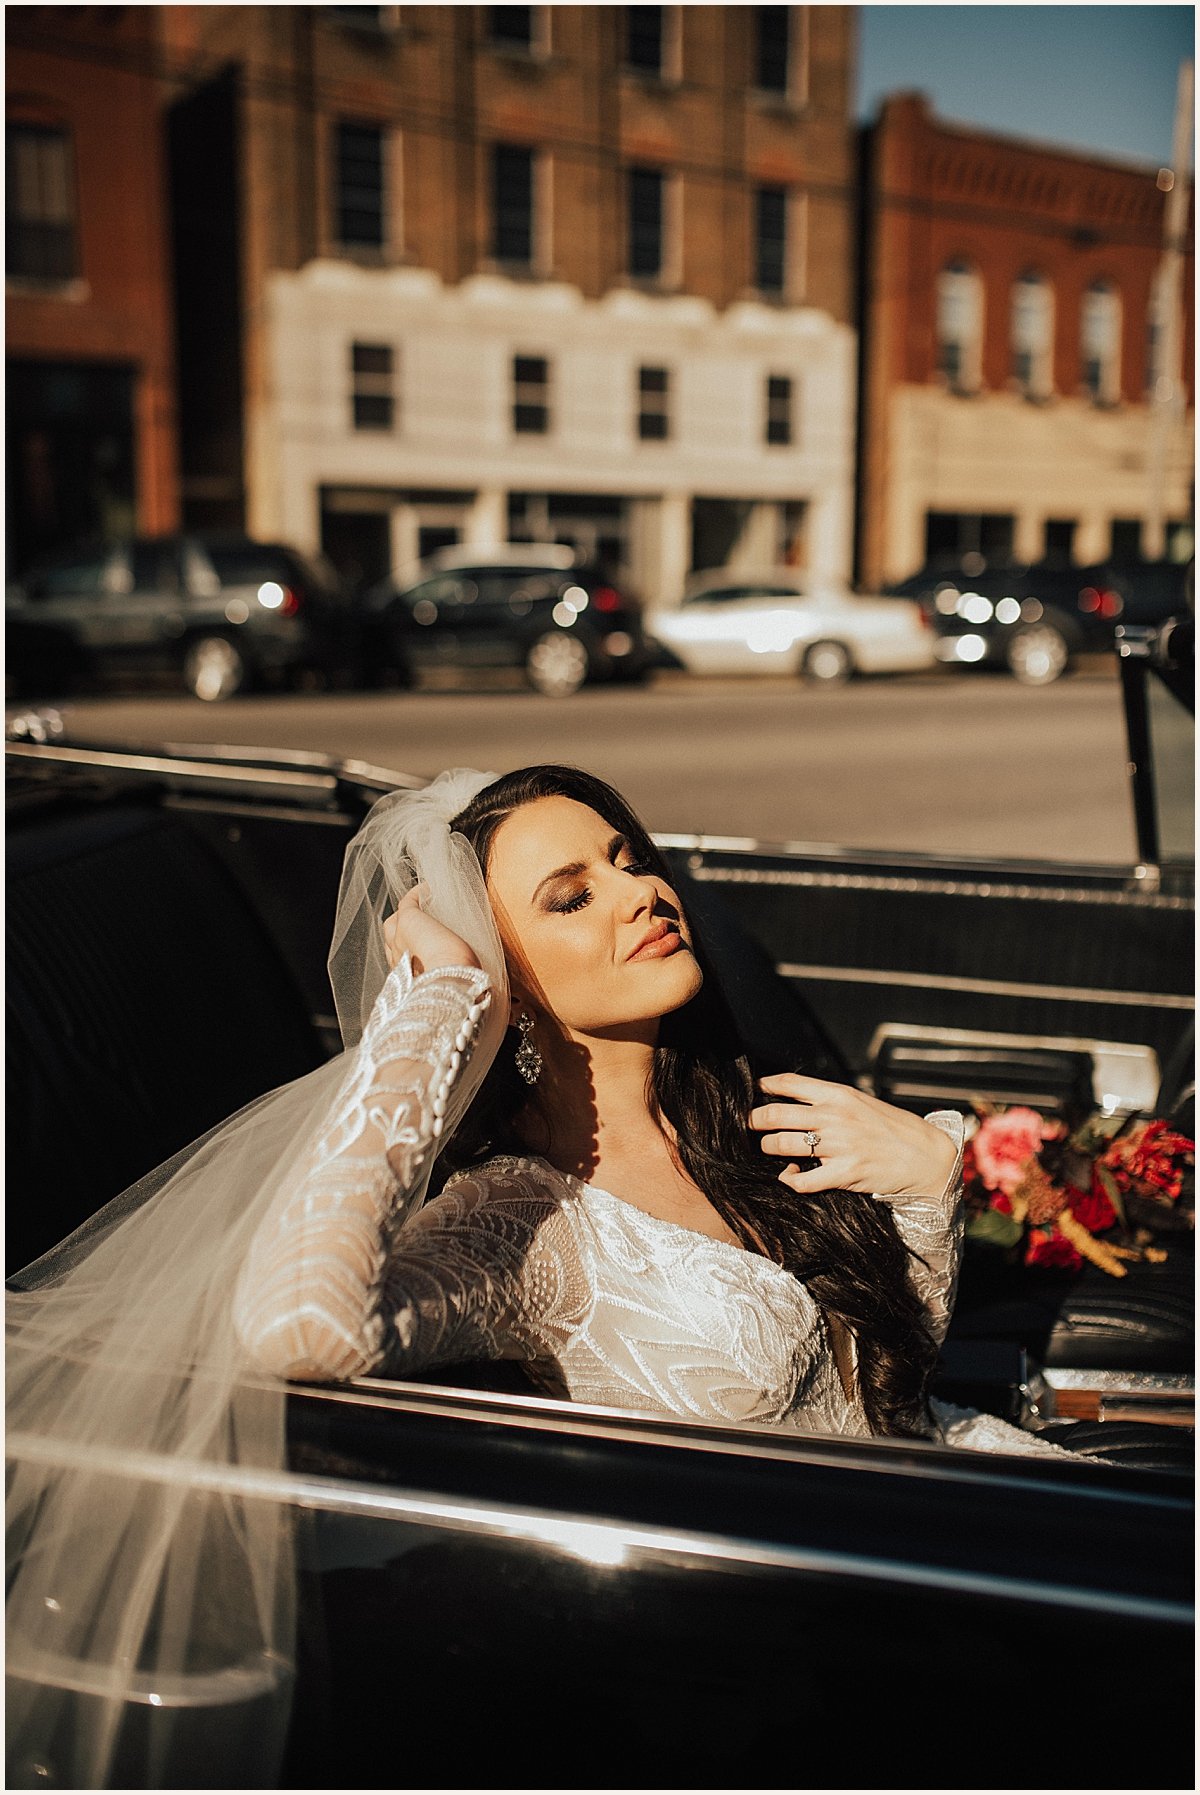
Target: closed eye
577,900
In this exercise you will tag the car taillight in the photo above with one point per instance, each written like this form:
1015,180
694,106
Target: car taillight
291,602
924,615
1101,603
605,599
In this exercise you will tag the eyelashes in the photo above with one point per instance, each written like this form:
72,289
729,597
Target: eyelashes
567,906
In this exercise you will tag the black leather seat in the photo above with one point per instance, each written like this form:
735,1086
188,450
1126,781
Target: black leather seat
145,1002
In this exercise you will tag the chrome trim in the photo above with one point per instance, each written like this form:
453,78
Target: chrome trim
156,763
907,882
1158,1383
1127,1070
858,975
599,1543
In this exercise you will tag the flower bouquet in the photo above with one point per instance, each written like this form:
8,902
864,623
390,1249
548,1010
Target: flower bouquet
1059,1196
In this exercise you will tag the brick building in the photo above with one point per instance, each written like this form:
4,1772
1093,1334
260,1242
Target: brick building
1011,345
90,376
574,272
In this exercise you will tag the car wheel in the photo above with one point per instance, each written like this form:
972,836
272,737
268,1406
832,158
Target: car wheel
1037,656
557,664
828,664
214,668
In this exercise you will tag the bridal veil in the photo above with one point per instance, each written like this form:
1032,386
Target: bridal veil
152,1583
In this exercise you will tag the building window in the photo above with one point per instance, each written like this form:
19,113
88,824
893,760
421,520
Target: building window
372,19
646,213
358,185
654,404
970,539
1032,335
372,393
531,394
511,27
779,409
772,48
512,204
770,239
1125,539
40,229
1100,342
959,326
644,39
1058,539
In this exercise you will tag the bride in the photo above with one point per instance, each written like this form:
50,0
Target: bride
624,1206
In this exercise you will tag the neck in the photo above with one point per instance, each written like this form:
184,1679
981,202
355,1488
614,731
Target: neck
594,1096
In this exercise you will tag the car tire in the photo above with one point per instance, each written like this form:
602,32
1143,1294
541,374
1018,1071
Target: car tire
827,664
214,668
557,664
1037,656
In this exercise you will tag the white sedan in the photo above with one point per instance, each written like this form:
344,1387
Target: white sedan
784,624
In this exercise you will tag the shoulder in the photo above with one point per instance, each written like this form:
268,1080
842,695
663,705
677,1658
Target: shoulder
507,1176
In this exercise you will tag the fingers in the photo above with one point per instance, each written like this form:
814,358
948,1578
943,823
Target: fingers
827,1174
800,1088
788,1145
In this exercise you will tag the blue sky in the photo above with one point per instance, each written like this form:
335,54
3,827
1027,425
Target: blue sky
1092,77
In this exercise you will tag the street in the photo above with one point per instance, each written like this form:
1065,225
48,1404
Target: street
943,764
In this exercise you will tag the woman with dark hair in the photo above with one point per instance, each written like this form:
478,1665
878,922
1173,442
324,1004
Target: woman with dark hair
629,1211
528,1013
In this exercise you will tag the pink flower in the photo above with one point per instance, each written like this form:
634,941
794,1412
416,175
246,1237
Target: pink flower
1004,1145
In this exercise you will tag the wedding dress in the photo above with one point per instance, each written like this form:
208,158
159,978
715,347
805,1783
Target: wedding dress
602,1301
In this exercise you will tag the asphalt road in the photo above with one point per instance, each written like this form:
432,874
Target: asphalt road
946,763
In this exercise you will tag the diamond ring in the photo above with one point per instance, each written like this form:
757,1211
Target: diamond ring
812,1140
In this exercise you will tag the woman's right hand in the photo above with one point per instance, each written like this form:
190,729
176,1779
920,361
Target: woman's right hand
410,930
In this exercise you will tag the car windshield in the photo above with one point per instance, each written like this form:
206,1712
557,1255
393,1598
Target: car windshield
248,563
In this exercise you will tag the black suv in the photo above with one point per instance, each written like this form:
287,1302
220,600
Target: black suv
537,607
221,612
1033,619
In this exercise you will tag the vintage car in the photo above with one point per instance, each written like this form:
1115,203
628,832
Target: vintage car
499,1589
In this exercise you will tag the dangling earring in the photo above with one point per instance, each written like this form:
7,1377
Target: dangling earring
529,1060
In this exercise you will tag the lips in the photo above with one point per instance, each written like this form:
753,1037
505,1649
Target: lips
659,941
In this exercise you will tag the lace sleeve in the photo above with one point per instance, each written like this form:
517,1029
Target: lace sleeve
932,1229
308,1301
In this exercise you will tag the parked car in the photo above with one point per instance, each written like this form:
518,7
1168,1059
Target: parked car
220,612
529,605
482,1566
1034,619
781,622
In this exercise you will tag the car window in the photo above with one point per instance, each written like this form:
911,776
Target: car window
443,589
82,575
716,595
153,567
246,564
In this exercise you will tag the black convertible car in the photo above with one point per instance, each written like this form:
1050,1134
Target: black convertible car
502,1590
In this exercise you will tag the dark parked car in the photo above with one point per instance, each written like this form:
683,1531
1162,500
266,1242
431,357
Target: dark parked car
536,607
1035,619
222,613
486,1572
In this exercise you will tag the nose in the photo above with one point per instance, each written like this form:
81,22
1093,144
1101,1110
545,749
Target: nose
638,894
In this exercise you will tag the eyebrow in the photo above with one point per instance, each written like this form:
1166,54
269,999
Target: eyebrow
579,866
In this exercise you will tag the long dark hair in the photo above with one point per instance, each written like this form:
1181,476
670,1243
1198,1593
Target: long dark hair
843,1246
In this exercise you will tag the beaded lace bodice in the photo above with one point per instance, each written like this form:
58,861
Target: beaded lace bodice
604,1302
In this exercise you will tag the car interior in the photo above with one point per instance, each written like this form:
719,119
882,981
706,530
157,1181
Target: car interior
161,975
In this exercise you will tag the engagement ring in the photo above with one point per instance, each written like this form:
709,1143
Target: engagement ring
813,1139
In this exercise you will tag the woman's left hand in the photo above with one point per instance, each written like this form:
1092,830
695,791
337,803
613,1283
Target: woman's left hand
863,1144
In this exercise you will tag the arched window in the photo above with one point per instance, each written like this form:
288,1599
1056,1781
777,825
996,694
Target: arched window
1100,342
959,326
1032,335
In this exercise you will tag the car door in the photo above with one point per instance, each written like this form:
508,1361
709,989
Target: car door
430,617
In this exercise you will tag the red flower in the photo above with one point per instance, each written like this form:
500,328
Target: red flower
1051,1251
1091,1208
1150,1157
1002,1203
1005,1143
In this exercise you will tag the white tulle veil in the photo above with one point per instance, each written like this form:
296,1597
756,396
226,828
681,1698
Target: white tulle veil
151,1607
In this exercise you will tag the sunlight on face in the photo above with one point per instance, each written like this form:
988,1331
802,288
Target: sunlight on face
592,937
